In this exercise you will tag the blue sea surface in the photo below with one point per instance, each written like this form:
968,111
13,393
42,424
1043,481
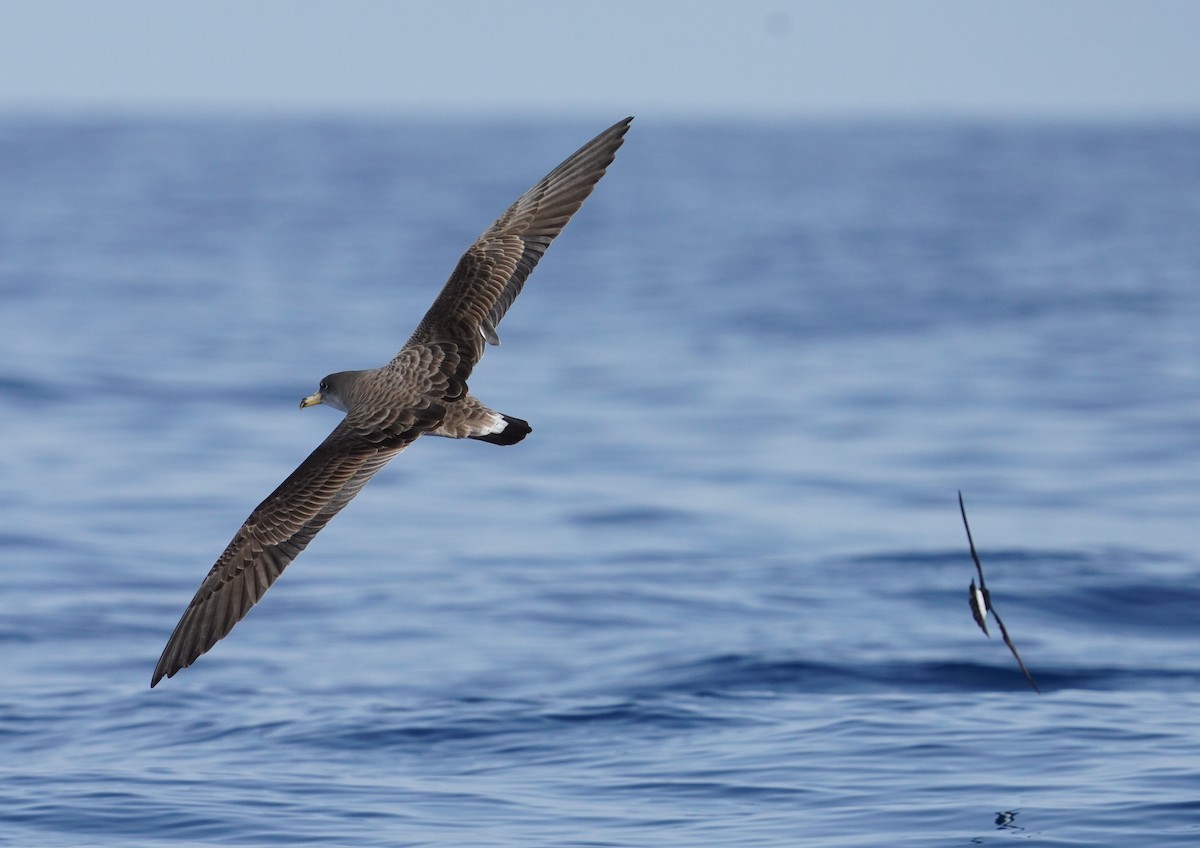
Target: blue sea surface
718,597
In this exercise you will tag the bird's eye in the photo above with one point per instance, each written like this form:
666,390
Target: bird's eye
324,386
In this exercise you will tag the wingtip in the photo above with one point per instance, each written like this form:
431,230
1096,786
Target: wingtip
614,136
160,671
619,128
168,663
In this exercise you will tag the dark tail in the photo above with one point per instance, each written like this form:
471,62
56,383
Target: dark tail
514,430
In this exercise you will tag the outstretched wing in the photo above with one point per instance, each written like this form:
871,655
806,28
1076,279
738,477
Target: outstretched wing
1013,648
275,533
491,273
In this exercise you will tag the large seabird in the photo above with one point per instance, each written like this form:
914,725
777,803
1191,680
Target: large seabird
422,391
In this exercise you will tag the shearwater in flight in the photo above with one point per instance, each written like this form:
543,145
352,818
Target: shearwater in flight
981,601
422,391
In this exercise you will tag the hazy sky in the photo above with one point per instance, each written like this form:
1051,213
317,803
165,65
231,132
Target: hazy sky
1071,58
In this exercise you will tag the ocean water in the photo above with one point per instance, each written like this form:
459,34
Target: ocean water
718,597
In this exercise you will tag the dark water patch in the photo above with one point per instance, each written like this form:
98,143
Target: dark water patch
1165,607
533,728
742,674
23,390
634,516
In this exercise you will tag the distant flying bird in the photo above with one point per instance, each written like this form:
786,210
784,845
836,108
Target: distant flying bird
981,601
422,391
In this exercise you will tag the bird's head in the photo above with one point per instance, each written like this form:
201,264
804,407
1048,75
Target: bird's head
334,391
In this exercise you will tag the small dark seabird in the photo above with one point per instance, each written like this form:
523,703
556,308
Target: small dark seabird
981,601
422,391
